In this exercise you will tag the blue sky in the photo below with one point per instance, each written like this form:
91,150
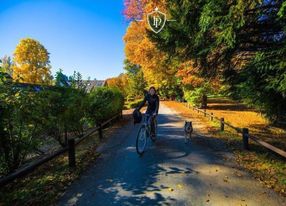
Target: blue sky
81,35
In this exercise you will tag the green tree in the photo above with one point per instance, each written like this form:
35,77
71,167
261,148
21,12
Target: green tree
136,80
243,41
7,65
61,79
5,69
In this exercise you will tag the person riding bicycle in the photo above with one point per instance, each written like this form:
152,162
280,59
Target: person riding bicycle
152,100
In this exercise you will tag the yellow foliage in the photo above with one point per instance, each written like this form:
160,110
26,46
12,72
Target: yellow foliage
140,50
31,62
158,69
120,82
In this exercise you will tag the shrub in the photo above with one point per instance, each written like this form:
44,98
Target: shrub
198,96
194,96
103,103
21,123
65,112
27,112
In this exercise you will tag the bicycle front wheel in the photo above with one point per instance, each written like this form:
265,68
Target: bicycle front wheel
141,140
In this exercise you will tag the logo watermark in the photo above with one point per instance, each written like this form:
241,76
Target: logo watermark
157,20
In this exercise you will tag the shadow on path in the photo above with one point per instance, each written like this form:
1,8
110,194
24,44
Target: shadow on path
169,173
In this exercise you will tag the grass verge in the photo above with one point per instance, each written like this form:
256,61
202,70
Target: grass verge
48,182
265,166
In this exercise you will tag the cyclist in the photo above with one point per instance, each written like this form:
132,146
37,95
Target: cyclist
152,100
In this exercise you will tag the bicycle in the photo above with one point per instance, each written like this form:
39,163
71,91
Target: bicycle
145,132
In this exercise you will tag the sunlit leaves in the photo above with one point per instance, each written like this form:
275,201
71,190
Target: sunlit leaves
31,62
141,51
120,82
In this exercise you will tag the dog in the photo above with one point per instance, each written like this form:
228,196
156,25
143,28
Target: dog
188,128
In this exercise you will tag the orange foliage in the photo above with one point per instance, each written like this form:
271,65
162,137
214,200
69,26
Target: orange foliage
189,75
140,50
136,9
120,82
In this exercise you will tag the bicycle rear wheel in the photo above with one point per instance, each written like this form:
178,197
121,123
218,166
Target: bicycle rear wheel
141,140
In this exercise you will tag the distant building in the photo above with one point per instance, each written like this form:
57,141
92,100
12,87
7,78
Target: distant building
64,82
90,84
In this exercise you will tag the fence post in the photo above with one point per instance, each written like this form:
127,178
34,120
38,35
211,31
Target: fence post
212,118
205,112
71,147
99,131
222,124
245,137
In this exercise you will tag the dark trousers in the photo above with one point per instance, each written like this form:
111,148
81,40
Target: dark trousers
150,121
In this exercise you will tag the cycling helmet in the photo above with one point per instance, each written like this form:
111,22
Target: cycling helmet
137,116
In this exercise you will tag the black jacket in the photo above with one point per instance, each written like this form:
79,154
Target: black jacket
153,103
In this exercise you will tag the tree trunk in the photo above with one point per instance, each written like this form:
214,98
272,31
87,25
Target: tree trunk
204,101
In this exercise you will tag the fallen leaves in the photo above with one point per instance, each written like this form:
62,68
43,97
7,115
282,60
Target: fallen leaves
48,182
179,186
237,174
226,179
260,163
170,189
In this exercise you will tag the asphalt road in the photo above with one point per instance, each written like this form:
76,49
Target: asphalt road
169,173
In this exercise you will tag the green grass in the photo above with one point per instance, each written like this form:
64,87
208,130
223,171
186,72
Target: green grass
132,104
268,167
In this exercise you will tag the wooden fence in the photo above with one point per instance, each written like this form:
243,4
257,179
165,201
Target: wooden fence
70,148
243,131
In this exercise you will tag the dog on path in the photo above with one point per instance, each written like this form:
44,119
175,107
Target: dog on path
188,128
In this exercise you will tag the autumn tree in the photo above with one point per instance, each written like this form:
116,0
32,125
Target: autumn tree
31,62
120,82
159,70
137,9
133,9
197,87
243,41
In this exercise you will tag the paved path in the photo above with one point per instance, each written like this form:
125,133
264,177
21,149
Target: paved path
169,173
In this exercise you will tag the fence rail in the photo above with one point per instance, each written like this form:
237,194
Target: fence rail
70,148
243,131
